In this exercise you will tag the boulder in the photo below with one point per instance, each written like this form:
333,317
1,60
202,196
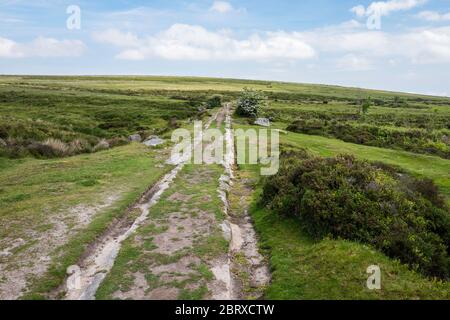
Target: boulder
102,145
135,138
263,122
153,141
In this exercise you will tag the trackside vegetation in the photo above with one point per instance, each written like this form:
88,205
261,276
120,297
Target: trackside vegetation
342,197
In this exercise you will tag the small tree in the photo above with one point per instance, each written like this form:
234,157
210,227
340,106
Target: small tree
214,102
250,103
366,106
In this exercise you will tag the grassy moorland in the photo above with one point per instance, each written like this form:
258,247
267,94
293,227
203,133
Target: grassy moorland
307,268
333,269
67,171
424,166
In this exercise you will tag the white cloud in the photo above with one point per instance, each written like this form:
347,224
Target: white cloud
434,16
131,54
431,45
353,62
41,47
427,46
350,44
8,48
384,8
117,38
188,42
359,10
221,7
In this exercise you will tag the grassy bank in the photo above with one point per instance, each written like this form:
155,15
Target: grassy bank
332,269
336,269
424,166
45,202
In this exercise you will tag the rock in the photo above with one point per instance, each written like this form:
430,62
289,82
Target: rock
2,143
135,138
263,122
153,141
102,145
445,138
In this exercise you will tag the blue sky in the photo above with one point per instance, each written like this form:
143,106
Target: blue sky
315,41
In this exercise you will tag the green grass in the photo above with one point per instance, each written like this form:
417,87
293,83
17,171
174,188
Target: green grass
336,269
30,188
39,113
424,166
435,168
332,269
142,84
52,188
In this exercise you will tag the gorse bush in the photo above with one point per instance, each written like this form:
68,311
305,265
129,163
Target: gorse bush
250,103
346,198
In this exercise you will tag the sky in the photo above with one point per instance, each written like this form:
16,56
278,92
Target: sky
398,45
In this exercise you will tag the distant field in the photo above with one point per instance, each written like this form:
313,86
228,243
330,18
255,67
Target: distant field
144,83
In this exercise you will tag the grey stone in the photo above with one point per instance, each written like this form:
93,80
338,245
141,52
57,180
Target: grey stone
264,122
2,143
135,138
153,141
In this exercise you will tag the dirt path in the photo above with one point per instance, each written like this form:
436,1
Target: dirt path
25,259
187,242
101,256
249,270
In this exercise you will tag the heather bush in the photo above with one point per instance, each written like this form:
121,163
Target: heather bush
346,198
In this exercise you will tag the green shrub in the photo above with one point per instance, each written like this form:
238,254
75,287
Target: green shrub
346,198
214,102
365,106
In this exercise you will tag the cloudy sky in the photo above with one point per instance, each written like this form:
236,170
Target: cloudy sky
401,45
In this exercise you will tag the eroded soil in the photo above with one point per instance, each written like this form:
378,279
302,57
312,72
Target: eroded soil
26,258
172,255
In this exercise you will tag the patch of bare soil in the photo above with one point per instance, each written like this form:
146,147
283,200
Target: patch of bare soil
182,231
22,260
221,115
100,256
174,262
